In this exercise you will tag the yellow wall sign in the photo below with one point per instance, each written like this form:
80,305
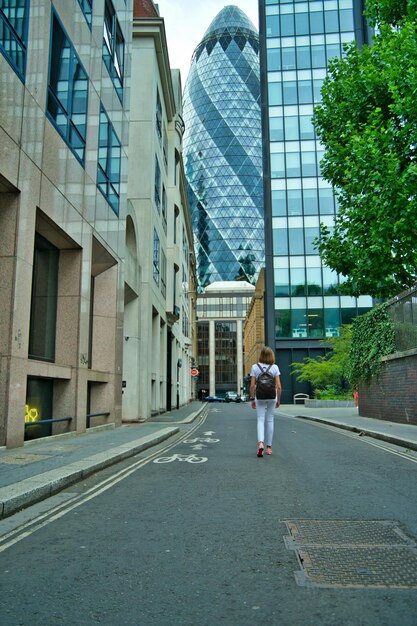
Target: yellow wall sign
32,414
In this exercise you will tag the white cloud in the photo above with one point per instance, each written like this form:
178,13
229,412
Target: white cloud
186,21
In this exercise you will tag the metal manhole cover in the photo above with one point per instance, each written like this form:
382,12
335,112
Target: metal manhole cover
347,532
371,554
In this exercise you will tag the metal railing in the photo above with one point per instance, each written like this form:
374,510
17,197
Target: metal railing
67,419
48,421
90,415
403,311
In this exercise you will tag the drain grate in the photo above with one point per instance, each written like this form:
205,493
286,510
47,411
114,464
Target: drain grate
350,553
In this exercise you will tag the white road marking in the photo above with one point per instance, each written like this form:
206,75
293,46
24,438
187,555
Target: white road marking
364,438
189,458
27,529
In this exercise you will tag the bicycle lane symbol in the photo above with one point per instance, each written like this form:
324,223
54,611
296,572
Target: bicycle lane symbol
188,458
201,440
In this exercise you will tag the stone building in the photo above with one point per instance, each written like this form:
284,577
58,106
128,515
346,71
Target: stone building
160,275
254,328
221,312
64,102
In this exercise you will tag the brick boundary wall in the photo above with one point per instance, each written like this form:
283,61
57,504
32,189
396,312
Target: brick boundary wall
393,397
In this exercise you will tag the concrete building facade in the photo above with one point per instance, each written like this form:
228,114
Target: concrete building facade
64,100
221,312
159,328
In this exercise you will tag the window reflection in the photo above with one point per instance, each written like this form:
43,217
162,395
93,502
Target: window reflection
14,17
296,241
67,92
283,324
298,282
278,203
113,47
332,322
108,166
314,282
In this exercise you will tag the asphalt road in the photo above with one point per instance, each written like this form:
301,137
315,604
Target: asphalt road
207,542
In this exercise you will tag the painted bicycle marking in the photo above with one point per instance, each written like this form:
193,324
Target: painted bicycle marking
189,458
201,440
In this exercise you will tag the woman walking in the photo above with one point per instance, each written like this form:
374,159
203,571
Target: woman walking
265,394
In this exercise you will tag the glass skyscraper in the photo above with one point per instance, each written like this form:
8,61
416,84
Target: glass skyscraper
223,151
298,39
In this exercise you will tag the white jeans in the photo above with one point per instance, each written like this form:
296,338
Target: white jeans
265,411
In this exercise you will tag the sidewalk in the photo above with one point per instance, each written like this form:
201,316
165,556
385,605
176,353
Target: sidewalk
45,466
404,435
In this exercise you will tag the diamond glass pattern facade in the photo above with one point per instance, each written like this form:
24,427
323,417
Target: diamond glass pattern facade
223,151
298,39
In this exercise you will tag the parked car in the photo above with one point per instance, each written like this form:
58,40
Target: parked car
214,399
232,396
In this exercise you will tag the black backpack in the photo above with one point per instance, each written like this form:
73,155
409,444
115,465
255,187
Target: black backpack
265,388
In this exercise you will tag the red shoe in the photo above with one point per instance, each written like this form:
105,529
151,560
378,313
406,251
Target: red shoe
260,450
269,449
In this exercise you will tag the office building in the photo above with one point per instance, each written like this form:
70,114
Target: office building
159,316
64,115
223,152
221,313
303,305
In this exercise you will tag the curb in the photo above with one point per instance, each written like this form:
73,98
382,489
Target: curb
411,445
15,497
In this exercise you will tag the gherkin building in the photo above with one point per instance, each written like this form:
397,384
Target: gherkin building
223,151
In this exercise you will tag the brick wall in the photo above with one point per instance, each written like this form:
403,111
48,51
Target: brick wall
393,396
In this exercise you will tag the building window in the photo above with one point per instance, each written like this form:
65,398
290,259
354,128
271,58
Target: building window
113,48
164,209
14,18
177,164
108,167
185,251
44,300
203,351
165,148
185,323
39,404
226,353
176,215
87,9
157,184
155,257
163,274
67,91
158,116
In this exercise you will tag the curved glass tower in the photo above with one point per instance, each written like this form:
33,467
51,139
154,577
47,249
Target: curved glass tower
223,150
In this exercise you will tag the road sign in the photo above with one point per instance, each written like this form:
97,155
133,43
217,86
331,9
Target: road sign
194,372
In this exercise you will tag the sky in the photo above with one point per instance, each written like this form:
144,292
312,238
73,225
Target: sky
186,21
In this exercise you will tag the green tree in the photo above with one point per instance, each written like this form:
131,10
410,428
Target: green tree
373,336
328,370
367,122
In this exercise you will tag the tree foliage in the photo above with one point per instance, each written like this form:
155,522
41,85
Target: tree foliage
367,122
331,369
373,336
